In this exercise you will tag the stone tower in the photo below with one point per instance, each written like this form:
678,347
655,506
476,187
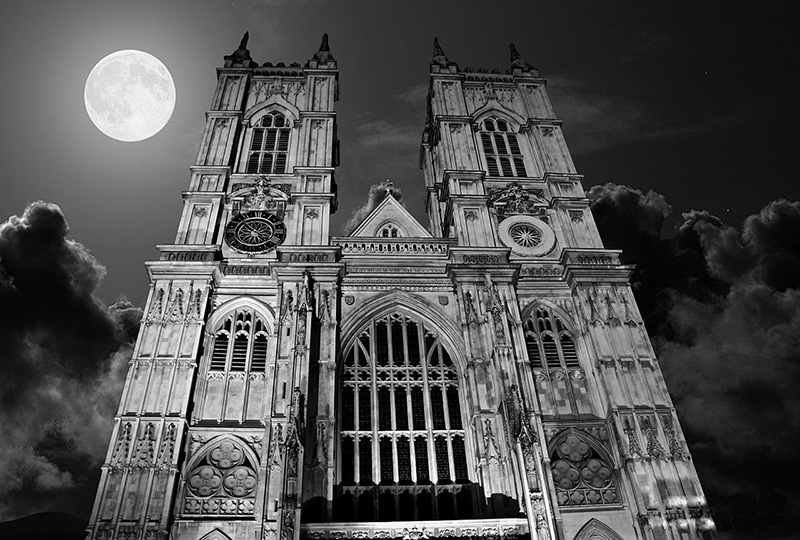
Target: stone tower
489,376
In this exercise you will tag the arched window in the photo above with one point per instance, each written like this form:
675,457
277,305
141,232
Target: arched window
269,145
240,344
389,230
554,358
582,477
233,379
501,148
401,427
550,344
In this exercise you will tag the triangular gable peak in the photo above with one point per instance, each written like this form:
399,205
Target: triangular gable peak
390,220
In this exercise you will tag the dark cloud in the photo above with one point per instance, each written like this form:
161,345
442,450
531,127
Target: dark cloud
598,115
723,308
63,354
377,192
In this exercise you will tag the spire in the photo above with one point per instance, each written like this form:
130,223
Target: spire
519,63
324,55
241,56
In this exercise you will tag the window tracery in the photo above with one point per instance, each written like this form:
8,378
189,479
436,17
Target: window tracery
552,353
401,426
501,148
581,475
240,344
389,230
269,145
222,482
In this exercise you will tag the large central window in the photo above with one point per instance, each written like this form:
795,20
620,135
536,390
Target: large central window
402,449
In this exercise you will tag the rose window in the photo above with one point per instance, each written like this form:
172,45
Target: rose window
581,476
525,235
222,482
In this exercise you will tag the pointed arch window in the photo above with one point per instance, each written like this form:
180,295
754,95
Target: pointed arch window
554,358
501,148
549,342
390,230
269,145
240,344
401,426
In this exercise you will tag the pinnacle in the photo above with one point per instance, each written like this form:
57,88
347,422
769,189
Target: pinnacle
324,54
438,54
241,56
519,63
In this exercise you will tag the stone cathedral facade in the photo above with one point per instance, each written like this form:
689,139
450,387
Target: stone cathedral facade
487,376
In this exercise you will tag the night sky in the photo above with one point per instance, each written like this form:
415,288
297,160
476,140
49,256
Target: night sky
692,100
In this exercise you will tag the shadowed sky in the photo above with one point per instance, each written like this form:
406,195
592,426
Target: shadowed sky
690,99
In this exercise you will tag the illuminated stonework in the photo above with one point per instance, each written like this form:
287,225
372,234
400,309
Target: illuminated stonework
486,377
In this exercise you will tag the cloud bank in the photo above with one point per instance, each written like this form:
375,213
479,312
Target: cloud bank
722,305
63,355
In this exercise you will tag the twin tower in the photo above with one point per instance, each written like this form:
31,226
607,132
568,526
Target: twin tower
488,376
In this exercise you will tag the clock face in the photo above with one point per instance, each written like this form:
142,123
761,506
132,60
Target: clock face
255,232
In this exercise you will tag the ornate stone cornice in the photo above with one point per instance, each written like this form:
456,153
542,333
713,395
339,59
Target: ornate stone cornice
416,530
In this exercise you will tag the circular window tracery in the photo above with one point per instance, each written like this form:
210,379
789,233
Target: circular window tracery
580,475
527,236
222,482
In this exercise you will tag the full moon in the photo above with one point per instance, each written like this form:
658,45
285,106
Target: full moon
129,95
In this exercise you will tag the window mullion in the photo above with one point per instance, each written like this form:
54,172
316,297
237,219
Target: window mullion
248,361
375,416
567,375
229,352
426,399
445,405
412,439
450,457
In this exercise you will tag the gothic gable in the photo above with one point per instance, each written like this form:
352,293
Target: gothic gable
595,529
391,220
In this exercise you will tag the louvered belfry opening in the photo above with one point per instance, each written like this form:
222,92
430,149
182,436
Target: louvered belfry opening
240,344
501,149
269,145
402,453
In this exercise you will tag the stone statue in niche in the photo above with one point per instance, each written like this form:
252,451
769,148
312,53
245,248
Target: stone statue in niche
469,308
